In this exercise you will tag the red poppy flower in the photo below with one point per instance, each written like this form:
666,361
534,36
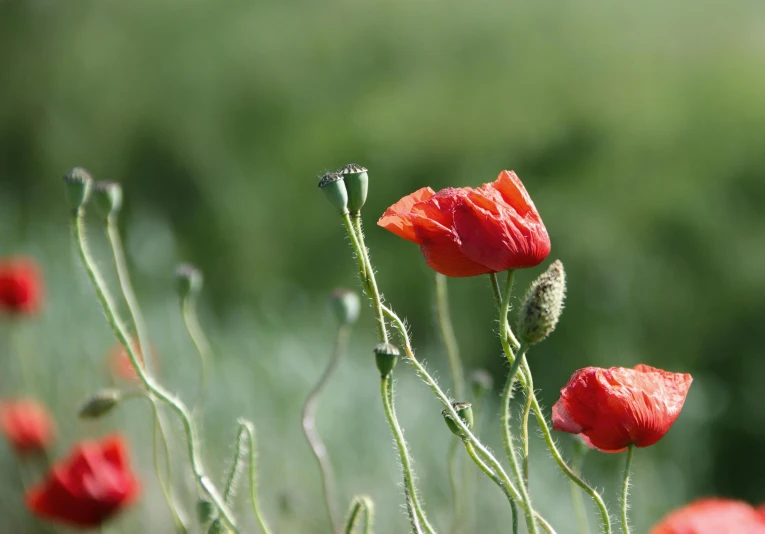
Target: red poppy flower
468,232
21,286
712,516
761,511
120,363
27,425
89,487
616,407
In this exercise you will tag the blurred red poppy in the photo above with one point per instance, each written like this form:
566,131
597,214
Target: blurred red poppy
468,232
27,425
89,487
712,516
120,363
616,407
21,286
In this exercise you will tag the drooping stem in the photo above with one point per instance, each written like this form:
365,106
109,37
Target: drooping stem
134,308
309,426
507,436
250,429
415,515
625,490
359,505
198,338
546,433
107,304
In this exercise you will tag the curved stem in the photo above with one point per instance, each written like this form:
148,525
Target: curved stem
250,429
415,514
361,504
625,490
525,431
233,476
107,304
198,338
309,426
134,308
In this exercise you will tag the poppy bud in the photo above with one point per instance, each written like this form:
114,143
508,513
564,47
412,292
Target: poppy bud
543,305
78,183
357,184
189,280
386,356
333,186
217,527
481,382
465,411
346,305
206,511
107,197
99,404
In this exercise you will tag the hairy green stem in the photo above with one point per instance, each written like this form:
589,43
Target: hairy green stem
359,505
626,489
198,338
232,480
134,308
309,426
250,429
107,304
525,430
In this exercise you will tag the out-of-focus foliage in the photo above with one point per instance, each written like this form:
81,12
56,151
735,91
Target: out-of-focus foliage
637,128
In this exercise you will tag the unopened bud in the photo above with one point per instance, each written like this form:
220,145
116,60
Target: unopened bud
100,404
543,305
107,196
465,412
346,305
189,280
217,527
206,511
386,356
78,183
357,184
333,186
481,382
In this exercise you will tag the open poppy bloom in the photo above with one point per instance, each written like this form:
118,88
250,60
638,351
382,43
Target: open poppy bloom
89,487
27,425
616,407
712,516
20,286
468,232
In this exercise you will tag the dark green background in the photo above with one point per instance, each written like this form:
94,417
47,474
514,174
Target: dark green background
637,128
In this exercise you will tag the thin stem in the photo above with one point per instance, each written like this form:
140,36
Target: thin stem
525,430
359,505
107,304
198,338
134,308
470,448
250,428
625,490
449,339
309,426
233,475
415,514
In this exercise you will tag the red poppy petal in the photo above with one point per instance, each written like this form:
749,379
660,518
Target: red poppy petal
513,193
712,516
397,218
442,252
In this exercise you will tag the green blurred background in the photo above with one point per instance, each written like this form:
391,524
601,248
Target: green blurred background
637,128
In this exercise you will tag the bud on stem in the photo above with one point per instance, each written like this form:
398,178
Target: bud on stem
100,404
78,183
357,185
333,186
386,356
543,305
107,196
465,411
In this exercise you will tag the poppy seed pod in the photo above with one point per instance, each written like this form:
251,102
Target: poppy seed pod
189,280
346,305
357,185
386,356
333,186
100,404
543,305
107,196
465,411
78,183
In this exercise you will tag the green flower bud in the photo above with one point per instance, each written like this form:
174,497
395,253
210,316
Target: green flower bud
543,305
78,183
100,404
333,186
346,305
189,280
107,197
217,527
465,411
481,382
206,511
357,184
386,356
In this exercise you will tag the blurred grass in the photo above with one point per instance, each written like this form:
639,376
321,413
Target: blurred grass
637,129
